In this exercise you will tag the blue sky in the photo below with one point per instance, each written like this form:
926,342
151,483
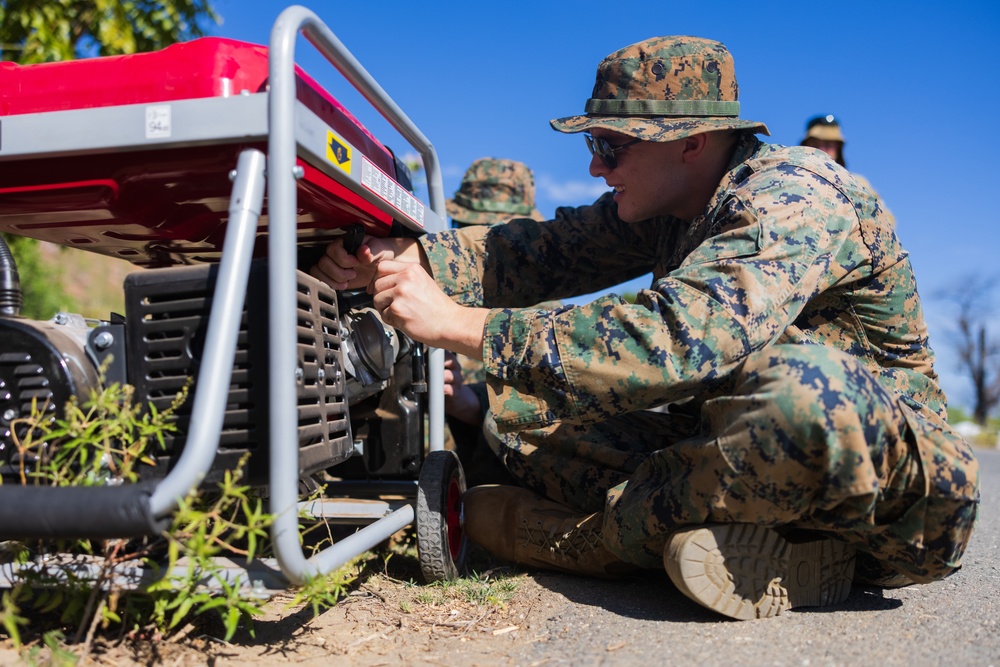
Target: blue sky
916,86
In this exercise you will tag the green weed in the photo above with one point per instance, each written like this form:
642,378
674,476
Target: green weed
107,440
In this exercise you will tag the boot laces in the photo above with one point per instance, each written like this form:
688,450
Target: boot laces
573,544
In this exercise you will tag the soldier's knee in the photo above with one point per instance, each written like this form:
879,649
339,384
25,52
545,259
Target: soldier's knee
798,364
818,374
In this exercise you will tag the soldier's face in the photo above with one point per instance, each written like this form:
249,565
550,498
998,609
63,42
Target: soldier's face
648,180
831,148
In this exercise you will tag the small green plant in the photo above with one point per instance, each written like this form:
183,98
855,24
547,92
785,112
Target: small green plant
97,443
475,589
106,440
100,441
205,526
58,655
325,591
10,613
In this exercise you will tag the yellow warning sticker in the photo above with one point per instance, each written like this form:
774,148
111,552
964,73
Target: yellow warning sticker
338,152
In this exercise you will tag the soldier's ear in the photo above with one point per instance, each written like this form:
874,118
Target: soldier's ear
693,147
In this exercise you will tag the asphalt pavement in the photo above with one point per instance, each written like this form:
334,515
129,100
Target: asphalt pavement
953,622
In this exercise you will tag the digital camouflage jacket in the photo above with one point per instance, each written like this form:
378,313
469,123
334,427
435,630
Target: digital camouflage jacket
791,249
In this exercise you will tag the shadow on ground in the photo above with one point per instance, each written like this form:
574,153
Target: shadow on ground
651,596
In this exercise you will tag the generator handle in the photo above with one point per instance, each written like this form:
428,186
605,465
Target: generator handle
282,265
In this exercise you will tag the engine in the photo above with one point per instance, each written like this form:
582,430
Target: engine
359,383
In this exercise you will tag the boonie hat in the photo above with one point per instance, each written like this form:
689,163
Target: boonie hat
492,191
664,89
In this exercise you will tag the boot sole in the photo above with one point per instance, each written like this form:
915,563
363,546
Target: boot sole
746,571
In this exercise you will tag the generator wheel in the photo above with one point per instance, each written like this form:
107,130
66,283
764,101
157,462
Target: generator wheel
441,543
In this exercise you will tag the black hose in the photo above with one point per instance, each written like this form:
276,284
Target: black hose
10,282
78,512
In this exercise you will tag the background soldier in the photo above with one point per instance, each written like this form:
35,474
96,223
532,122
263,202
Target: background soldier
825,134
492,191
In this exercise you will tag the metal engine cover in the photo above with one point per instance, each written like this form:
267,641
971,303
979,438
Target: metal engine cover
167,311
42,364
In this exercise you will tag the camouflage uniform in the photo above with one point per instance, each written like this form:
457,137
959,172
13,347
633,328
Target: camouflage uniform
784,325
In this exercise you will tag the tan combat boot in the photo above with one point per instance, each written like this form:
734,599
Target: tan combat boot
521,526
870,572
745,571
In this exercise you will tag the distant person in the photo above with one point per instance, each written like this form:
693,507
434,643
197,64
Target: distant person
492,191
824,133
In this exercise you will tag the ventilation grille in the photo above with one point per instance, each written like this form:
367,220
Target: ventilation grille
167,320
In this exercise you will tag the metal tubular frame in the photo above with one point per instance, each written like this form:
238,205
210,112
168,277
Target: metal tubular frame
282,264
52,134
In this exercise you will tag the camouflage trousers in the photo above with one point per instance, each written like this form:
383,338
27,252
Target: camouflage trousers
803,437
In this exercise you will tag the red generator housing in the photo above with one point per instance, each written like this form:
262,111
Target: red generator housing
159,159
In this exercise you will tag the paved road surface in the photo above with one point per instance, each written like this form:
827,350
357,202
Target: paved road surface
950,623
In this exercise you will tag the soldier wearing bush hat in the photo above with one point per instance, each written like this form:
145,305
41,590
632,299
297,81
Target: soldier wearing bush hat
823,132
664,89
805,442
493,191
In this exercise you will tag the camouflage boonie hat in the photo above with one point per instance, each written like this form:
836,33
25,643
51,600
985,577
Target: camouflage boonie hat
664,89
494,191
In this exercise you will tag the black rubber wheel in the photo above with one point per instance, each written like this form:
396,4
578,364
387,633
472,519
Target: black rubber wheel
441,543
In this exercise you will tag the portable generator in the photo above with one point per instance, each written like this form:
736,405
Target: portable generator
221,170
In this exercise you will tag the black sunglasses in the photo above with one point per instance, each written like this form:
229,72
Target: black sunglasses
602,149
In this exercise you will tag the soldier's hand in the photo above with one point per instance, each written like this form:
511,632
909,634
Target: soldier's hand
408,298
342,270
